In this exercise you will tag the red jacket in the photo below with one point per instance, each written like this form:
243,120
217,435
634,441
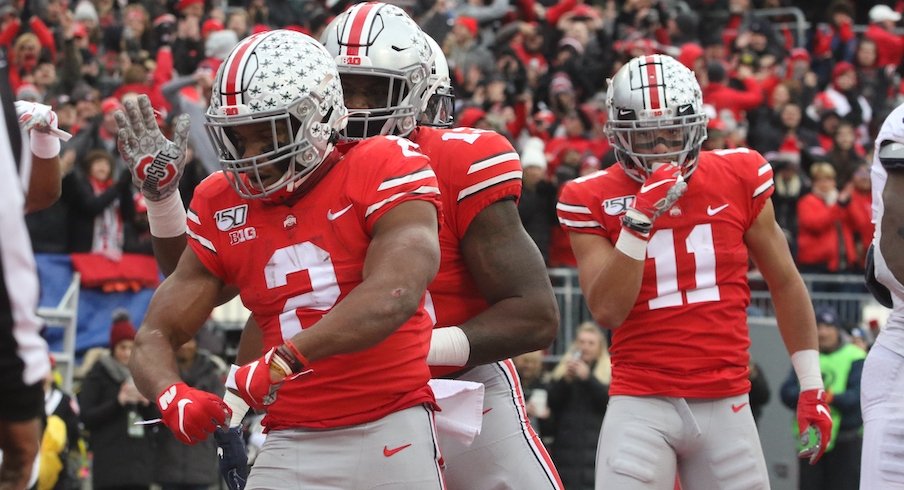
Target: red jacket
722,96
859,222
889,47
818,228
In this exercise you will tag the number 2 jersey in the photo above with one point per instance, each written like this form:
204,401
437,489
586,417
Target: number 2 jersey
686,335
475,169
292,264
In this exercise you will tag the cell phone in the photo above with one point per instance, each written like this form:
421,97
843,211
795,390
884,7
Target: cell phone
576,355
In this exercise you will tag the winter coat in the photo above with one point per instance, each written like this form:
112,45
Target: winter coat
122,453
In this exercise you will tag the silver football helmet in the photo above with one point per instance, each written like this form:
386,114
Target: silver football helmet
285,78
379,43
655,100
439,108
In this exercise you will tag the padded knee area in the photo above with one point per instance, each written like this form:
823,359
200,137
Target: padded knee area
891,463
736,467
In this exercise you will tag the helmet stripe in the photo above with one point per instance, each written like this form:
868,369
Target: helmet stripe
231,82
652,82
362,19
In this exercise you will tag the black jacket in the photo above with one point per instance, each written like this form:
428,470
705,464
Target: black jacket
119,459
84,206
577,408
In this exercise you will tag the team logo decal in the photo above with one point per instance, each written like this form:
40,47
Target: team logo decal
156,172
230,218
617,205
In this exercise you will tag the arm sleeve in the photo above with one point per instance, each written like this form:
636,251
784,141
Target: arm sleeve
574,212
201,229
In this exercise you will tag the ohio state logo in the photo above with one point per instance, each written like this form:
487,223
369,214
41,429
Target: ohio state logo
156,172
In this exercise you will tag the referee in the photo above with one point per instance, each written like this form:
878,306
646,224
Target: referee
24,359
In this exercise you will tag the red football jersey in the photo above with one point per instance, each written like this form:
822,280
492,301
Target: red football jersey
475,169
686,335
293,264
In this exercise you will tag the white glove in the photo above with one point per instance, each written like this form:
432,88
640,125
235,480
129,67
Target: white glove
156,163
41,123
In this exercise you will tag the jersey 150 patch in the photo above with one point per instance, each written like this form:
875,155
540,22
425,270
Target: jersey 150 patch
617,205
230,218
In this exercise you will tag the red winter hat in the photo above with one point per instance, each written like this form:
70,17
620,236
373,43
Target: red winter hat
110,104
183,4
469,22
121,330
211,25
841,68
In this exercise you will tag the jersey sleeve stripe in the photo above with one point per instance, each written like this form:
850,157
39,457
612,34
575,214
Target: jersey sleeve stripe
395,182
203,241
580,223
193,217
471,190
420,190
764,168
571,208
494,160
763,187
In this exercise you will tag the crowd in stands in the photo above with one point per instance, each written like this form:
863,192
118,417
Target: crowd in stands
810,100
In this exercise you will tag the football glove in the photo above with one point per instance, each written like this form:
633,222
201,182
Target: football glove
40,122
233,456
813,413
156,163
658,194
257,382
191,414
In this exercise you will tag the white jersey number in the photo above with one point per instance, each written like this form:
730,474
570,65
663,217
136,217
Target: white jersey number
661,249
324,287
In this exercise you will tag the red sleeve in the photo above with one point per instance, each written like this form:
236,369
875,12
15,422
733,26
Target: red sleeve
393,173
484,169
45,36
8,34
574,210
760,183
846,32
750,98
553,13
202,230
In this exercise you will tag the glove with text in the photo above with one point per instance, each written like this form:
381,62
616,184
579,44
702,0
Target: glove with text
657,195
813,413
156,163
233,456
191,414
258,381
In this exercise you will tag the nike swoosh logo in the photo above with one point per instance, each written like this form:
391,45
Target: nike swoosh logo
330,215
624,112
823,410
713,211
389,452
181,405
737,408
647,188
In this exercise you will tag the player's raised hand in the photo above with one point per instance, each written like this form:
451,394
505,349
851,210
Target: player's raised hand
191,414
156,163
40,122
813,412
233,456
658,194
257,382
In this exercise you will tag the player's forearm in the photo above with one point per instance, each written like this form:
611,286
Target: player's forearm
511,327
153,362
167,252
794,313
45,183
612,292
893,225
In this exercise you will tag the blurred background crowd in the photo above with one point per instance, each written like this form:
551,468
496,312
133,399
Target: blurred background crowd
806,83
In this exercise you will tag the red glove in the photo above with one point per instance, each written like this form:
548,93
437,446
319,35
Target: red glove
191,414
657,195
812,411
254,381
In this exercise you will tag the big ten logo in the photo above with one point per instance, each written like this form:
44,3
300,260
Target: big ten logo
243,235
350,60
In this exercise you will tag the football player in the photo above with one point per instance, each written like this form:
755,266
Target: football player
331,248
882,388
492,298
662,242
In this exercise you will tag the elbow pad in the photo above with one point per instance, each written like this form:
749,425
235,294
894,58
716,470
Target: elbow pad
891,155
879,291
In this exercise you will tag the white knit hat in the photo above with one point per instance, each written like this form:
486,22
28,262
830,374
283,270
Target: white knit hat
220,43
532,153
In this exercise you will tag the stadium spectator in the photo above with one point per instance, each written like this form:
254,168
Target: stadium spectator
823,244
578,395
111,405
841,364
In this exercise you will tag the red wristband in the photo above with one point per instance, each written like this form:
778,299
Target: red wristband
298,355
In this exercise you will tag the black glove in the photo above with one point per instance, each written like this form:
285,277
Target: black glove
233,457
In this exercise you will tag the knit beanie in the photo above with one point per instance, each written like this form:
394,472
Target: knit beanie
122,328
